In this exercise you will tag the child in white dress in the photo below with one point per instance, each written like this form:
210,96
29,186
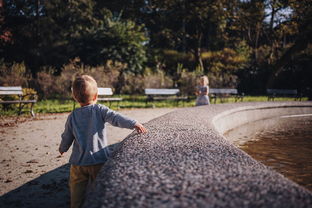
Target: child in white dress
202,92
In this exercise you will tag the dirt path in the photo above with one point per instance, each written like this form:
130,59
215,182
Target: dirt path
32,174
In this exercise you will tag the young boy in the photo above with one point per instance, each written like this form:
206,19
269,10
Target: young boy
85,127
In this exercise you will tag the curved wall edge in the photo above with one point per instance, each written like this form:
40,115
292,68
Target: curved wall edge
233,118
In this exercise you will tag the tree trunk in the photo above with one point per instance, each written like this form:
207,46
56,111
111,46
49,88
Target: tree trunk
197,53
120,82
271,35
257,41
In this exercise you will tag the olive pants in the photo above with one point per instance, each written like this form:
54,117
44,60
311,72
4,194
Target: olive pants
80,177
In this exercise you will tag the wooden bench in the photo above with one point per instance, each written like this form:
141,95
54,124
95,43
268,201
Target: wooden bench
102,92
224,93
273,93
156,94
17,90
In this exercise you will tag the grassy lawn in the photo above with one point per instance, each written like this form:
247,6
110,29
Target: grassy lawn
129,101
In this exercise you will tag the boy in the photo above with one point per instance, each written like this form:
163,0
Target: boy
85,127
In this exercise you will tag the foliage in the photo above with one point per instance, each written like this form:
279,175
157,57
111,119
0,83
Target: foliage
29,94
246,44
120,41
14,74
51,86
82,31
156,79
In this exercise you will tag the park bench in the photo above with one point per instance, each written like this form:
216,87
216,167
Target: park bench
224,93
6,98
103,92
273,93
158,94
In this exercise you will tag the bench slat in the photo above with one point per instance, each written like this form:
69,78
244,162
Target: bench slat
17,101
154,91
223,91
11,92
105,91
109,99
14,88
282,91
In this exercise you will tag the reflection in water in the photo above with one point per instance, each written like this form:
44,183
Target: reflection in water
284,144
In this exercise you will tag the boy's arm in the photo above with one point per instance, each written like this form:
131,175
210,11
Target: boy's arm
116,119
67,137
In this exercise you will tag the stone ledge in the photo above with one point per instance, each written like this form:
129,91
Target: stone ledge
184,161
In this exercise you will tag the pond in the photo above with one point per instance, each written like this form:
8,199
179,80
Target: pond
282,143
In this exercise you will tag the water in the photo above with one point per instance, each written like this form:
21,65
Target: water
284,144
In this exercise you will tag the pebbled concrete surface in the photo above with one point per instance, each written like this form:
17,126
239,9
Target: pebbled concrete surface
184,162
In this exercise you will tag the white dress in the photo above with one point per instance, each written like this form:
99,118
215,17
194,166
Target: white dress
202,99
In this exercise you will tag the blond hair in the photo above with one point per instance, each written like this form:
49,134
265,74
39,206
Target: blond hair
84,89
205,79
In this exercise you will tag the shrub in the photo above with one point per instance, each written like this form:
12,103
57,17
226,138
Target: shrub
45,84
188,82
52,86
14,75
29,93
156,79
134,84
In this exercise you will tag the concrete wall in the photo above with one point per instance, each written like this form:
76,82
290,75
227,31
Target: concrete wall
230,119
184,161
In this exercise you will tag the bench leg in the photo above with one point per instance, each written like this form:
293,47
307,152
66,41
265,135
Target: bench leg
213,99
20,107
32,110
149,99
239,97
271,98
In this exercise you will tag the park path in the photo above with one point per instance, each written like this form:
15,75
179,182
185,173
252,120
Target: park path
31,171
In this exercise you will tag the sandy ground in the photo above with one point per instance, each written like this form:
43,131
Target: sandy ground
32,173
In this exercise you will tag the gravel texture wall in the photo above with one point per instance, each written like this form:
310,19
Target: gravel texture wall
184,161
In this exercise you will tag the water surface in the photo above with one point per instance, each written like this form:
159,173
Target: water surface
283,143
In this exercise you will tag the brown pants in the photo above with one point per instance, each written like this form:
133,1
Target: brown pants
80,177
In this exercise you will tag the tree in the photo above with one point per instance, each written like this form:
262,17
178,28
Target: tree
302,17
41,30
46,33
119,41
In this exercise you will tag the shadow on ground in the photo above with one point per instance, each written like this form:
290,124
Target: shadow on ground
49,190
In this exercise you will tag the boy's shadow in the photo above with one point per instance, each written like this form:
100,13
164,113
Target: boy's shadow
49,190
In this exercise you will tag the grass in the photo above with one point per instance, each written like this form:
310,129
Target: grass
129,101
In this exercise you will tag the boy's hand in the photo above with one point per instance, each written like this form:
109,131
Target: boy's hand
140,128
61,152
